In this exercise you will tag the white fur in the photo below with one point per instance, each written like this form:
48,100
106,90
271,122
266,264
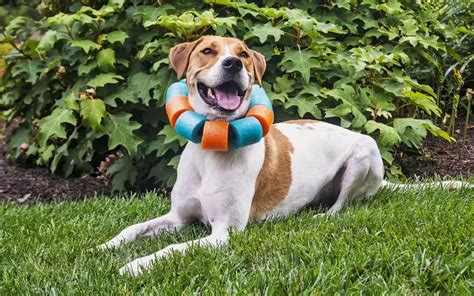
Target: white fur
320,149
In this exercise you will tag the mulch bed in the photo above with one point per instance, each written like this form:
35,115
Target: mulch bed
28,184
441,158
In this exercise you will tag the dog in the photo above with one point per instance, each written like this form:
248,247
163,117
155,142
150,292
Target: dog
299,163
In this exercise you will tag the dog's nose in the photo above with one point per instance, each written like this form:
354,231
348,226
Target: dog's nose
232,64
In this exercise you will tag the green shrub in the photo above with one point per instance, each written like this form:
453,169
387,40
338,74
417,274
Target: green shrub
13,8
93,86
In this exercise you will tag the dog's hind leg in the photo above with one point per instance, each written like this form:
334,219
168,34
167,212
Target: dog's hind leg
353,177
363,174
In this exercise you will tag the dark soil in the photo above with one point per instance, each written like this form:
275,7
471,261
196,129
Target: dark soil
28,184
441,158
23,183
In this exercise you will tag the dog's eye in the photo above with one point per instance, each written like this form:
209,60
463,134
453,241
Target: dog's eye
244,54
207,50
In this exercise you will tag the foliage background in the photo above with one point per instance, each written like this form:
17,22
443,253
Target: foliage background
90,92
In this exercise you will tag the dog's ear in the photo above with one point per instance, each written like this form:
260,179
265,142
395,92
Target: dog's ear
179,56
259,65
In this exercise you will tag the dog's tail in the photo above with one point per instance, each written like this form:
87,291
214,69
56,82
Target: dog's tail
429,185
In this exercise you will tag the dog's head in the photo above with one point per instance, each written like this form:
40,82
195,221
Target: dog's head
220,72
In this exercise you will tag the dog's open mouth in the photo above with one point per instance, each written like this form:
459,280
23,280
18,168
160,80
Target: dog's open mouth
226,96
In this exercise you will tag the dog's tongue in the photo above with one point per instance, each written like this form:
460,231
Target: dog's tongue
227,98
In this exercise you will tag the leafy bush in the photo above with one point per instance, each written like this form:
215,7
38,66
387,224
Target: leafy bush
92,88
453,71
11,9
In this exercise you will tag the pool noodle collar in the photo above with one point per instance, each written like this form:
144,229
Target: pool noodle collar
219,135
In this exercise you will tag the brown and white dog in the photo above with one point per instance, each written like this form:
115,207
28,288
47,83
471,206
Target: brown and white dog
299,163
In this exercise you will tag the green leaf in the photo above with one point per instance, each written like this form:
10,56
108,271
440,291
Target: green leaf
106,60
300,61
47,42
171,136
61,152
161,148
120,129
121,172
162,171
380,103
53,125
410,27
432,41
423,101
263,31
92,113
138,87
19,136
391,86
388,135
116,3
86,45
284,84
391,7
47,152
328,28
86,68
305,105
344,92
392,33
103,79
413,131
174,162
31,69
157,64
386,154
339,111
359,119
71,100
117,36
298,18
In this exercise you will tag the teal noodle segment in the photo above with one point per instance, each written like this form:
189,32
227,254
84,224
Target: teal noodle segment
177,89
259,97
245,131
190,125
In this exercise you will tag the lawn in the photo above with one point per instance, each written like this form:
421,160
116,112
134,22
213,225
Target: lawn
402,243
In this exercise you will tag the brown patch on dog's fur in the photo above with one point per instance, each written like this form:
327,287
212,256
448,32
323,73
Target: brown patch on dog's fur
274,180
301,121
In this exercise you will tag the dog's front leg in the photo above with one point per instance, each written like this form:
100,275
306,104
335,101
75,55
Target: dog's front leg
218,237
183,208
222,209
149,228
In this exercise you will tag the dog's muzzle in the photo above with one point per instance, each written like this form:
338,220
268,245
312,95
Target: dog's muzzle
227,96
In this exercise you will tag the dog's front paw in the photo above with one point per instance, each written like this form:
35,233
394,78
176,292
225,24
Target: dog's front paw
320,216
111,244
104,246
137,267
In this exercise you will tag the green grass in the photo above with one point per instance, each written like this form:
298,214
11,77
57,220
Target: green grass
402,243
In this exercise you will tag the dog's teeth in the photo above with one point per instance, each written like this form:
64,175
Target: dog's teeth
209,92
